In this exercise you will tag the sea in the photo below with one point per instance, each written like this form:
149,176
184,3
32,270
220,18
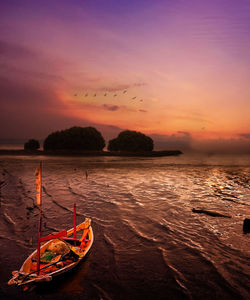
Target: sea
148,241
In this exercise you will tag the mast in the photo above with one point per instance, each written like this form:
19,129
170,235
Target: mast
74,221
39,203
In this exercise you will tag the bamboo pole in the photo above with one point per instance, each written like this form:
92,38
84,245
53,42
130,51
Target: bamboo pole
74,221
39,200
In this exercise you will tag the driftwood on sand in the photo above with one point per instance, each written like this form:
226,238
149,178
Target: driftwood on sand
210,213
246,225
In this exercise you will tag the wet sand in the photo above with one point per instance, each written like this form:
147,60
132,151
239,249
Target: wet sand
90,153
148,242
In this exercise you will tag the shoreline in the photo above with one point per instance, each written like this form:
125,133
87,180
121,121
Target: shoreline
89,153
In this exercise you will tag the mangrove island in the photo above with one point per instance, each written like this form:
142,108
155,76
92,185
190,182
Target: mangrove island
88,141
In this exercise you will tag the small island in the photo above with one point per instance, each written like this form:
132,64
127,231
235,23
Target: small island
88,141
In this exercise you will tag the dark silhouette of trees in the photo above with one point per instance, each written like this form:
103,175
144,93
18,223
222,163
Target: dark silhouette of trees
32,145
75,138
131,141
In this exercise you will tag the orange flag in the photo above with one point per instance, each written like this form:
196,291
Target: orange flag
39,185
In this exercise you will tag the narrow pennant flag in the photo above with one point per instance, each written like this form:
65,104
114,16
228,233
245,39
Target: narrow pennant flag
39,185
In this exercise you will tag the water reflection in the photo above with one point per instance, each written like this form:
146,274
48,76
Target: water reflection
147,239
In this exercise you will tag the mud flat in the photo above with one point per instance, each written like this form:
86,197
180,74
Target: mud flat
91,153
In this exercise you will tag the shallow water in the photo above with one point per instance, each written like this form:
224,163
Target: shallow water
148,242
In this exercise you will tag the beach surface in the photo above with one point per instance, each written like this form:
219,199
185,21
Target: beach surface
149,243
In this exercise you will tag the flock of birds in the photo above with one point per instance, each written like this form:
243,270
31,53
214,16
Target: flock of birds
106,94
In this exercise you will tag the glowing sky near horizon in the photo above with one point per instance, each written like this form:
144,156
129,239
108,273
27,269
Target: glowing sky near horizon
186,62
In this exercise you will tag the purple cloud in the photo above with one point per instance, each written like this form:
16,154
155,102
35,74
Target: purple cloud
245,135
140,84
114,88
181,140
119,87
9,50
111,107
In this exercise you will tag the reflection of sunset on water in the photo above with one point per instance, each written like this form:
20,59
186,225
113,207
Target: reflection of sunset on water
155,220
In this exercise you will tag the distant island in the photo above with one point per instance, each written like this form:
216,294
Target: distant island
88,141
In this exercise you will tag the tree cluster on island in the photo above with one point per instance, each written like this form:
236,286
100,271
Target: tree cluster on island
90,139
32,145
75,139
131,141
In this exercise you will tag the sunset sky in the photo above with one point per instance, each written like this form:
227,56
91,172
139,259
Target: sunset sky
187,62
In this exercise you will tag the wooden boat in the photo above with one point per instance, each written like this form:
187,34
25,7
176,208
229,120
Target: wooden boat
60,253
55,253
